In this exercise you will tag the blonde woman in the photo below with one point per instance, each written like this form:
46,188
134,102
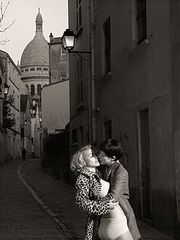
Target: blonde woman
90,197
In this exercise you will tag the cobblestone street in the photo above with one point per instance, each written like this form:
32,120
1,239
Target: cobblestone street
35,205
20,215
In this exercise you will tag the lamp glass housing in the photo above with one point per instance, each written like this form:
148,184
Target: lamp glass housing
68,40
34,102
6,88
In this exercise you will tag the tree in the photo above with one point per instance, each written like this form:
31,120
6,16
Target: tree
2,15
8,120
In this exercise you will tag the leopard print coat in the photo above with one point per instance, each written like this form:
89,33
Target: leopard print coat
88,187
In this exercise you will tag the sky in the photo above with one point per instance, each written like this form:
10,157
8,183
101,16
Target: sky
24,12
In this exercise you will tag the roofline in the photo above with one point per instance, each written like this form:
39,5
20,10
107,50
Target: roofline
7,55
34,77
64,80
34,65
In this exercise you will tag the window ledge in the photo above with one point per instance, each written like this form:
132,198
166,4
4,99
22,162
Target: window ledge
141,46
80,107
74,144
79,31
107,76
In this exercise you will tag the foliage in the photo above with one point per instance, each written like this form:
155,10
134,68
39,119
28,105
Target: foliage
8,120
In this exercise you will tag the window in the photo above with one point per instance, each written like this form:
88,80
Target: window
141,20
32,69
63,53
32,90
107,129
26,69
81,136
79,82
38,69
78,14
39,89
74,136
145,163
107,46
45,69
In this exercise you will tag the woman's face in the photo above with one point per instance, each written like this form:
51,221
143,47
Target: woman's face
90,159
104,159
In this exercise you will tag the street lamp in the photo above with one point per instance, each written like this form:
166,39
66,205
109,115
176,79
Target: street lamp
33,111
68,40
34,102
6,90
33,106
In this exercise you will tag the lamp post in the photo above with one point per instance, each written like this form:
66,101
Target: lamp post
36,118
6,90
33,107
3,113
68,40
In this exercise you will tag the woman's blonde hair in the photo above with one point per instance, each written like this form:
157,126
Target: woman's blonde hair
77,162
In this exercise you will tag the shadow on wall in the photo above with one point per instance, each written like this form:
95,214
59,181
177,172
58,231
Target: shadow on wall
55,159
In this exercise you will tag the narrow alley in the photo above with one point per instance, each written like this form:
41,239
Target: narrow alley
21,216
35,205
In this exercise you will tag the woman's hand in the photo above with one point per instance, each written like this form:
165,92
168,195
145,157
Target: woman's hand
112,203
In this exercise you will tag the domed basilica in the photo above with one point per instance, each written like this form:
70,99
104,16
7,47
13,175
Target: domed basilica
34,67
35,61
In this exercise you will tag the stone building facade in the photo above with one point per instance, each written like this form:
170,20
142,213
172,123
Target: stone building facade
132,88
2,130
58,60
12,133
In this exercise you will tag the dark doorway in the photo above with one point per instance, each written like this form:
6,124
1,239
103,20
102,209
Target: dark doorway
145,165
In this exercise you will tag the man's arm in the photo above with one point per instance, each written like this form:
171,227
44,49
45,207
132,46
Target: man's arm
119,183
119,189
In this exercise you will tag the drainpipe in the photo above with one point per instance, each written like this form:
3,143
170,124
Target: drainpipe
92,70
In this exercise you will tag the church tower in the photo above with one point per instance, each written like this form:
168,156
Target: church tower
34,67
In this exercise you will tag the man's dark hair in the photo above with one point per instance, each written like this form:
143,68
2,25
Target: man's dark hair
95,151
112,147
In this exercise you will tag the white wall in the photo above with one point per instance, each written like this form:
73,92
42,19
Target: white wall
55,106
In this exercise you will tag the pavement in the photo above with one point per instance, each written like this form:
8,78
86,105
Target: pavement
21,217
57,198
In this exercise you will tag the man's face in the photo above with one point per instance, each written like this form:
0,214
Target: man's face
104,159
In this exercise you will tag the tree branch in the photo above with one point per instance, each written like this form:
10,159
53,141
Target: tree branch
2,15
3,42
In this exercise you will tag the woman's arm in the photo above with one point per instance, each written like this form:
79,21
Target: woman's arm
95,207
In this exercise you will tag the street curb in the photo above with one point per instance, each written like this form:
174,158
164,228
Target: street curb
43,204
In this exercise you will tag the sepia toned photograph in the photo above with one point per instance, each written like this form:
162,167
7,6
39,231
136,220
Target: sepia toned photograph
89,114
